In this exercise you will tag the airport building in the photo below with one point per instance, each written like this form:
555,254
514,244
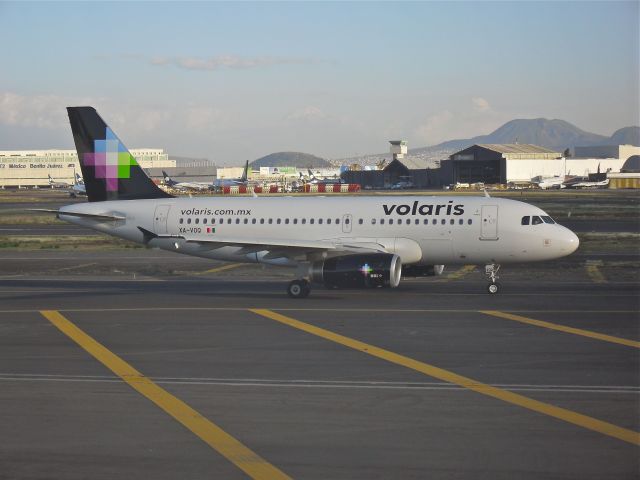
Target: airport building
504,163
32,168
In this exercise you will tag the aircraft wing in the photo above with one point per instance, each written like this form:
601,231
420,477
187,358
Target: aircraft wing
93,216
277,248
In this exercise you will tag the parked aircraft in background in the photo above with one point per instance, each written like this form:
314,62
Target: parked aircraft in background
54,184
588,184
78,188
233,182
548,182
185,186
340,242
326,180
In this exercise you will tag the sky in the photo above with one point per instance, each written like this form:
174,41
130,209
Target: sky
236,81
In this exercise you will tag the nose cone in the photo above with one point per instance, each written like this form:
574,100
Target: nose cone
569,242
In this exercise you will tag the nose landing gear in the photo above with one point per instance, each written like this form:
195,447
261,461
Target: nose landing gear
492,272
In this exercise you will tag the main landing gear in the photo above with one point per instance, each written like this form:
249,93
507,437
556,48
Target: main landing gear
298,289
491,271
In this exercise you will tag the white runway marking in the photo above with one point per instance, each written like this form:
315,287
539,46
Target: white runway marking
271,383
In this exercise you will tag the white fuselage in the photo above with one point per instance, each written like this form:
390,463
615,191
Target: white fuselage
421,230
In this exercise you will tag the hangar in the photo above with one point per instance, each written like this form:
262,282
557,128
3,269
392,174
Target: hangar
504,163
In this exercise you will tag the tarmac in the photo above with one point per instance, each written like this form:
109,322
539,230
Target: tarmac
131,363
434,379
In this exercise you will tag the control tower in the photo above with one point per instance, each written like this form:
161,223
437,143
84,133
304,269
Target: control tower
398,148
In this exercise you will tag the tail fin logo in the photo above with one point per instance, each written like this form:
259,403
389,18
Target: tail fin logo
111,160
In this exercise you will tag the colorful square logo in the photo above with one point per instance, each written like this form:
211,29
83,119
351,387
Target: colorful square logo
111,160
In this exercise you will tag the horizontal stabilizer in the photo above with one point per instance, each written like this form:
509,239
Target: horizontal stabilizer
94,216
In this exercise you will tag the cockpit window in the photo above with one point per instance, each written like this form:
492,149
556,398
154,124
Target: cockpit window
525,220
535,220
548,219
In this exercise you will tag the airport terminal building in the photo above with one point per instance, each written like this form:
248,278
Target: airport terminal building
31,168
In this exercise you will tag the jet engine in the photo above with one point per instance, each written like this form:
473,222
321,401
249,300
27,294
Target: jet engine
422,270
358,271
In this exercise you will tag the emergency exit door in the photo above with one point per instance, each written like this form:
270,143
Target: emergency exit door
489,223
160,219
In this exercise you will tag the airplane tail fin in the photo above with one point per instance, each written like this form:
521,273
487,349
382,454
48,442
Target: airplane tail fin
245,173
110,172
50,180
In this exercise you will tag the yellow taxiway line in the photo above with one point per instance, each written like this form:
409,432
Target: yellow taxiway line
241,456
221,269
563,328
563,414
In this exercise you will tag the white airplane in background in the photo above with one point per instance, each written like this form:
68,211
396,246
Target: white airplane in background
233,182
78,188
340,242
327,181
199,186
54,184
548,182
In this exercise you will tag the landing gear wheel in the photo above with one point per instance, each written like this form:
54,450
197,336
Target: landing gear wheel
298,289
493,288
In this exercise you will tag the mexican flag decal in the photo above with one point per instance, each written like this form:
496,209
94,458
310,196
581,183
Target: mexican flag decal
211,229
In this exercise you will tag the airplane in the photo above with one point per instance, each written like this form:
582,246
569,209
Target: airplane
78,187
185,185
587,184
327,181
54,184
548,182
339,242
233,182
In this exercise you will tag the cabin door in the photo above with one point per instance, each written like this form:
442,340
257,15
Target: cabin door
489,223
346,223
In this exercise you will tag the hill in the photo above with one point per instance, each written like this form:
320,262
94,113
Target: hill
626,136
291,159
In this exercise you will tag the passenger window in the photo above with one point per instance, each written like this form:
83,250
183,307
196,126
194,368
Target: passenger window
262,221
312,221
182,220
213,221
286,221
452,221
417,222
373,221
346,220
360,221
237,221
270,221
304,220
328,221
228,220
204,220
337,221
461,222
189,221
320,221
278,221
253,221
469,222
391,221
381,221
221,221
535,220
443,221
246,220
426,221
434,221
525,220
295,221
408,222
548,219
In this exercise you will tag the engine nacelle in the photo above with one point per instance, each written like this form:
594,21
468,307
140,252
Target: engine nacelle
422,270
358,271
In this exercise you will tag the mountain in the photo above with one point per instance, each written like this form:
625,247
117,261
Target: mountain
553,134
626,136
291,159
